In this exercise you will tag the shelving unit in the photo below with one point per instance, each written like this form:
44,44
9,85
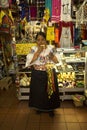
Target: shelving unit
22,87
78,65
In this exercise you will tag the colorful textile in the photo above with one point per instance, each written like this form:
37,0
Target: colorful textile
56,31
48,5
56,10
51,84
33,12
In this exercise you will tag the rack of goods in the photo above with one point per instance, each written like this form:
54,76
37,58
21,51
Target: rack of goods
23,75
71,75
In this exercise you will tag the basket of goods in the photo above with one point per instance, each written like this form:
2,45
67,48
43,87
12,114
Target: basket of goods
78,100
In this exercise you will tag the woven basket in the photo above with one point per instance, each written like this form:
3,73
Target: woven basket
78,103
78,100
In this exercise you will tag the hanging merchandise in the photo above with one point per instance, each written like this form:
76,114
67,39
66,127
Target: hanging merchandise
48,5
46,15
66,34
77,37
56,32
4,3
83,32
40,4
66,10
33,12
50,34
56,10
24,12
6,21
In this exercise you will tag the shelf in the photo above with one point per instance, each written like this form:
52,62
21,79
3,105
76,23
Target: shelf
24,91
24,98
75,60
71,89
20,72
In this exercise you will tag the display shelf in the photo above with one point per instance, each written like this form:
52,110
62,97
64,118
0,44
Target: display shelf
23,93
68,92
76,79
72,89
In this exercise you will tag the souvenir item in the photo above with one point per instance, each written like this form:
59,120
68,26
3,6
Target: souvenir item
4,3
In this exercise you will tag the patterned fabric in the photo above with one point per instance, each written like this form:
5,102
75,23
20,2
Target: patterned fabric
66,34
65,40
51,84
56,10
43,57
65,10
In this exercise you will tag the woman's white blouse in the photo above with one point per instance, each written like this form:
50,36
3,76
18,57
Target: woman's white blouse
43,57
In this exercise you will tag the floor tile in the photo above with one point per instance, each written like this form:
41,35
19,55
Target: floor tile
59,111
69,111
70,118
33,126
73,126
83,126
82,117
53,126
16,115
21,121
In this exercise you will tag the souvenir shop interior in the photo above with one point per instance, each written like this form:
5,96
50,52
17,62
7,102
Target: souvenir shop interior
65,24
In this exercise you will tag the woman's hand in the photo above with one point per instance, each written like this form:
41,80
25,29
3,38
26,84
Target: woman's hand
41,48
37,53
53,57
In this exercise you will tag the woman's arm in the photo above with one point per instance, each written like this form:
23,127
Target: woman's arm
36,55
53,57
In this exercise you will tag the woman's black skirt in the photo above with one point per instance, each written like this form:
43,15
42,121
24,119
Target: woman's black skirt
38,97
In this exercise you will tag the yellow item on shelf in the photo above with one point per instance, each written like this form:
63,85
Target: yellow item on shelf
23,49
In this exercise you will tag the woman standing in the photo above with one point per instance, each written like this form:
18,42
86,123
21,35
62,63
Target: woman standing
44,93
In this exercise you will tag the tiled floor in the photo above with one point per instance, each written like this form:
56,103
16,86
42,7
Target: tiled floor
16,115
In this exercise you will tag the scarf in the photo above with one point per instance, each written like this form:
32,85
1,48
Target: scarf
51,84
